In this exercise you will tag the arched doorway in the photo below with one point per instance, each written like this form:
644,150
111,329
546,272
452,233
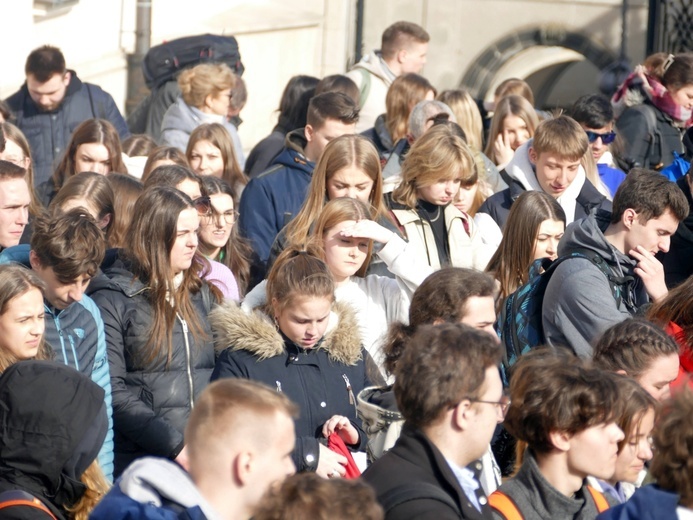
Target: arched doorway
540,55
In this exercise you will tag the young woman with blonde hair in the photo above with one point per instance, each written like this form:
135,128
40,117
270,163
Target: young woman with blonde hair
404,93
210,152
348,167
205,98
18,151
513,124
435,167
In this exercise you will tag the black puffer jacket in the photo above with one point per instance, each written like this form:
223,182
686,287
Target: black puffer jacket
52,424
323,381
151,399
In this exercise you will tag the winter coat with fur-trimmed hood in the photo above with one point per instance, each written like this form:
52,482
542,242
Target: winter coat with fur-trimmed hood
323,381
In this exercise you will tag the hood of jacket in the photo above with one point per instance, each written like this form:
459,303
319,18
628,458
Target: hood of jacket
382,133
373,63
522,170
292,156
181,116
588,233
48,456
255,332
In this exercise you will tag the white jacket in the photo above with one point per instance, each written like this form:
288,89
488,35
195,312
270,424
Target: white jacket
373,77
466,249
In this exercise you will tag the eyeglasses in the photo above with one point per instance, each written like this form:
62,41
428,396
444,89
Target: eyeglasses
228,216
607,138
203,206
503,404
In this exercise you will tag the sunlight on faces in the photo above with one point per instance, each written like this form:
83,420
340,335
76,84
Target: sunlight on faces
272,462
92,157
304,320
486,416
465,197
22,324
413,58
636,451
554,173
214,229
546,244
515,131
218,104
657,378
184,247
597,147
654,235
351,182
319,137
206,159
594,451
50,94
440,193
59,294
480,313
683,96
14,154
344,256
190,187
14,210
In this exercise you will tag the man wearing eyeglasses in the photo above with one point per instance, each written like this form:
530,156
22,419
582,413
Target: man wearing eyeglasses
449,391
595,115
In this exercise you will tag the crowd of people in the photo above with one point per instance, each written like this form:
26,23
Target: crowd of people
403,303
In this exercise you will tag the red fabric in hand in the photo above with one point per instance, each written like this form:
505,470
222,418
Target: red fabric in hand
336,444
686,357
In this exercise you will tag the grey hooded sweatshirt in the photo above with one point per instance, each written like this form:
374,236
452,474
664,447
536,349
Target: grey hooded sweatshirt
579,304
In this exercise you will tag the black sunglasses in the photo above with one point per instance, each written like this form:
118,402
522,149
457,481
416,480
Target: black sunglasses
607,138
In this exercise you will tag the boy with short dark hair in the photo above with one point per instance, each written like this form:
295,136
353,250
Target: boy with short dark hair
66,252
580,303
273,198
595,115
566,414
550,162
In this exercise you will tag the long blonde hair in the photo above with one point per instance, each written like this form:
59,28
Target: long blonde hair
97,486
510,106
343,152
467,114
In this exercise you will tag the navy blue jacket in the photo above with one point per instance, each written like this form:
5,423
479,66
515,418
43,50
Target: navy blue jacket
648,503
273,198
49,133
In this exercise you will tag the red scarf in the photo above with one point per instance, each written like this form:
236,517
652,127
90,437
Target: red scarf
685,358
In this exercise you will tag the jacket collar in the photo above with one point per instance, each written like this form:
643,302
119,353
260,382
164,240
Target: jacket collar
255,332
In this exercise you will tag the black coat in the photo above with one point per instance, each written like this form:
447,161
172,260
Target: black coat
677,262
414,459
589,201
47,457
49,133
152,399
315,379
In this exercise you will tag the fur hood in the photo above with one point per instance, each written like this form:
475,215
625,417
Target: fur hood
256,333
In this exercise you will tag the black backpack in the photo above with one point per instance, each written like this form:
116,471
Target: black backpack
163,62
520,320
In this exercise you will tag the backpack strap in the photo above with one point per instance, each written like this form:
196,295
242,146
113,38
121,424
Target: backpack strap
504,505
365,85
616,283
19,498
599,499
415,491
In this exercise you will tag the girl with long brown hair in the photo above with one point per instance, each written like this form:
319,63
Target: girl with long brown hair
155,315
